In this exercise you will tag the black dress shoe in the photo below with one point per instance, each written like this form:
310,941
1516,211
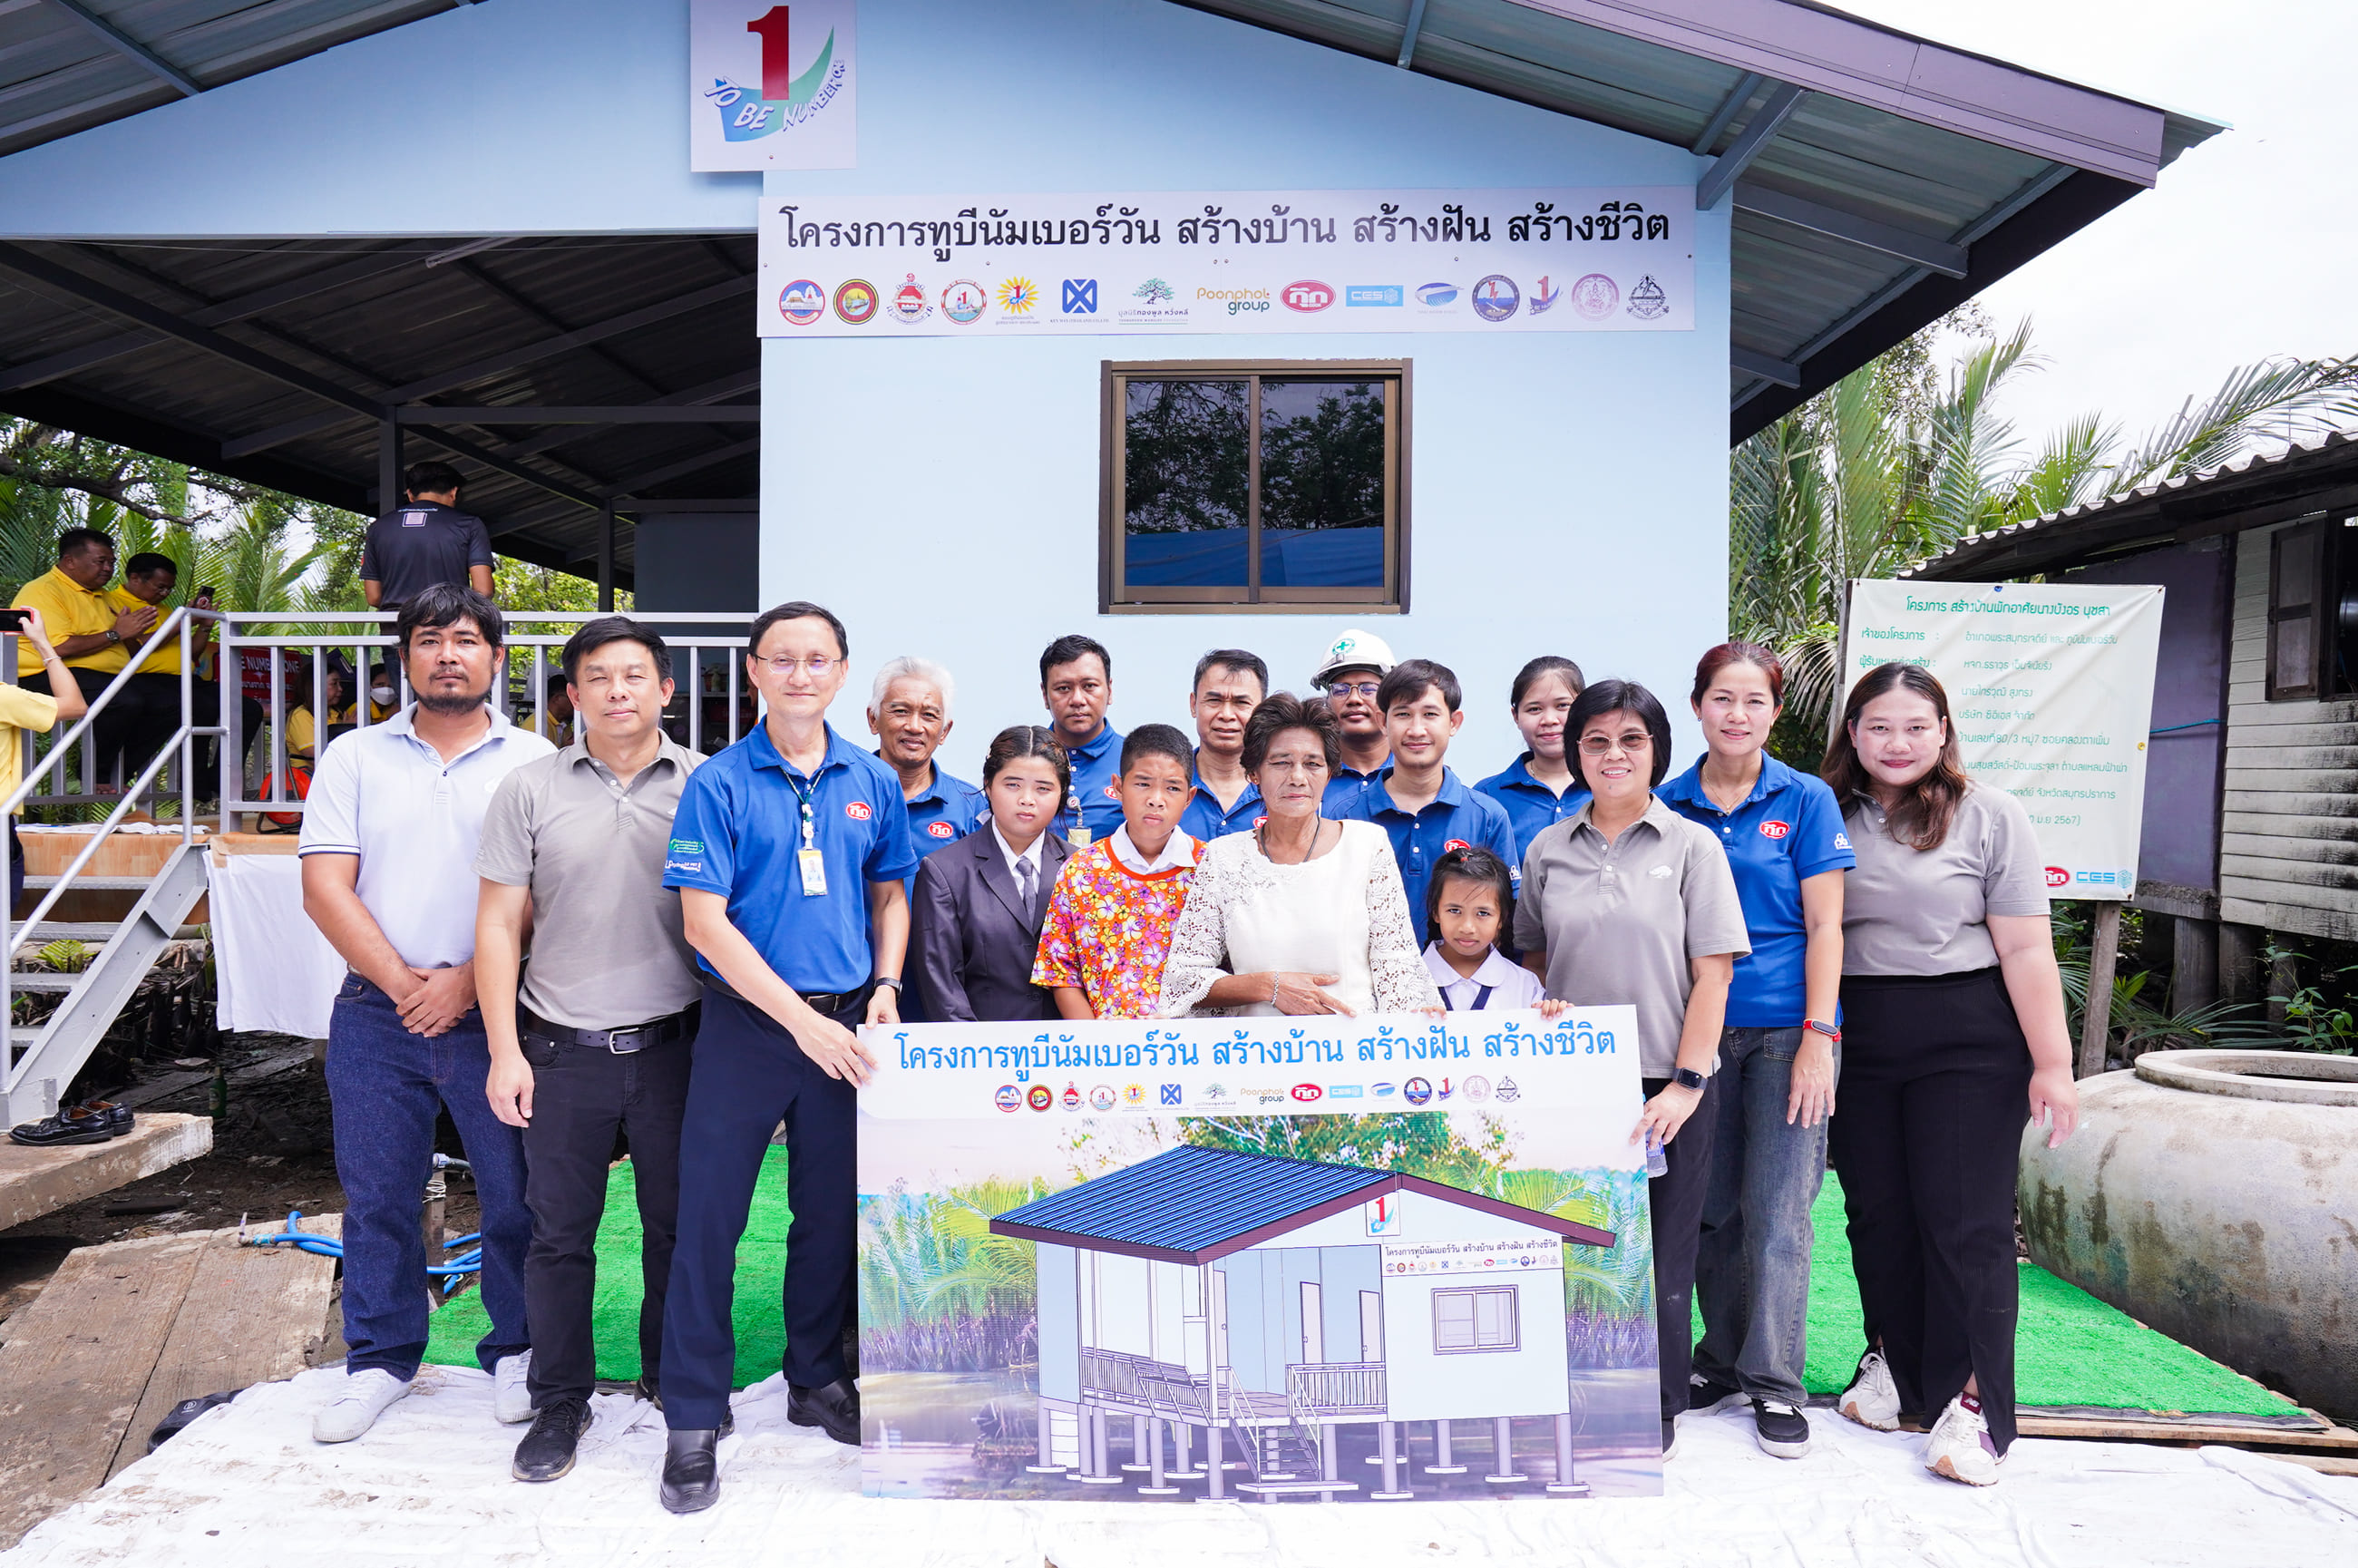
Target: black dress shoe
546,1451
691,1472
834,1408
114,1119
71,1125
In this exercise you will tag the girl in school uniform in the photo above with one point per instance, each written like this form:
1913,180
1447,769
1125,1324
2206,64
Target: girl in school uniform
1469,905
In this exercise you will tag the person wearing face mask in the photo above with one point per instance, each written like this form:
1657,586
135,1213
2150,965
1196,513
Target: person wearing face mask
1538,789
1627,902
1777,1054
1954,1036
1304,914
1349,677
975,931
383,695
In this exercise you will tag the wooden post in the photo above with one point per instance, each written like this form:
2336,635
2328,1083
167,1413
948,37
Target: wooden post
2097,1018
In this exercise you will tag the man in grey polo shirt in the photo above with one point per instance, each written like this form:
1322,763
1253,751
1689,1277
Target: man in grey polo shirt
389,836
599,1037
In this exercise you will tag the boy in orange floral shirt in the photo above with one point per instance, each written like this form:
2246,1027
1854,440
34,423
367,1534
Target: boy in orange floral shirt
1108,925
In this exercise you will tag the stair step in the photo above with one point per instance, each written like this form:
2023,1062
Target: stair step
97,931
42,982
96,884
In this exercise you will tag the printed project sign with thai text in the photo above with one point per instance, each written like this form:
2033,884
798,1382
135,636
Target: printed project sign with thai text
2050,688
772,86
1537,260
1257,1260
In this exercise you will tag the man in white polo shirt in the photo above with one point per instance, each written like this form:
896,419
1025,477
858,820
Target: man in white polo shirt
389,837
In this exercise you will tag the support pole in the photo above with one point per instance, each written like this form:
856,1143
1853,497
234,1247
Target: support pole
606,558
388,466
1443,1464
1215,1458
1387,1442
1503,1454
2096,1018
1563,1485
1159,1486
1138,1425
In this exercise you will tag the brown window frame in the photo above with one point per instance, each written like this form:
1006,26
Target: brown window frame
1116,597
2314,540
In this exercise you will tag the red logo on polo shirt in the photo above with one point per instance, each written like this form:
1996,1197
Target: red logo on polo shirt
1775,829
857,811
1455,844
2056,876
1113,791
941,829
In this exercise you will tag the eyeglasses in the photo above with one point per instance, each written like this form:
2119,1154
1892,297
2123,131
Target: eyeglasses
818,663
1600,745
1354,688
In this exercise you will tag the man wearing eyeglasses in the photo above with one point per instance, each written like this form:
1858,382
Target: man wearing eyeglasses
789,850
1351,674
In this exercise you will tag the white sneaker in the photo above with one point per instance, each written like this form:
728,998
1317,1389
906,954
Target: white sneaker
511,1394
363,1398
1872,1399
1960,1446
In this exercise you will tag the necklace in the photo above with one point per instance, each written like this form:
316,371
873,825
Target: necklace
1260,842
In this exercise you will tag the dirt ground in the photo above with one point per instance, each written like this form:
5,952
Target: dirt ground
271,1154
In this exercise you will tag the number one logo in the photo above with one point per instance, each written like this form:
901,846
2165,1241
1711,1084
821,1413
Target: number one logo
777,77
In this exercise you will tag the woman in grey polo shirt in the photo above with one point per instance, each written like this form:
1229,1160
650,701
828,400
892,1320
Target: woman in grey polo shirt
1953,1035
1625,901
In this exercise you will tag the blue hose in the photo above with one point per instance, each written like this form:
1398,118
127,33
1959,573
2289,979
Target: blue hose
468,1262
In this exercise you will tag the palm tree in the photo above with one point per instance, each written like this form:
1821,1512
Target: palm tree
1889,465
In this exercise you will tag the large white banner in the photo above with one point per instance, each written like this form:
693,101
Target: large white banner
772,86
1532,260
2050,688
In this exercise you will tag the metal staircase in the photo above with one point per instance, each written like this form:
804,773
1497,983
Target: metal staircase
41,1059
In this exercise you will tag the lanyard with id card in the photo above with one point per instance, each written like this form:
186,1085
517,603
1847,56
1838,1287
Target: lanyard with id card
808,858
1079,837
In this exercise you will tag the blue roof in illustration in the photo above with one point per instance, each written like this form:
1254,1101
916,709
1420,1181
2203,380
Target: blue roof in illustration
1194,1204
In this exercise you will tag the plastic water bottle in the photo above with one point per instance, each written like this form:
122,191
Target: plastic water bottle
1657,1162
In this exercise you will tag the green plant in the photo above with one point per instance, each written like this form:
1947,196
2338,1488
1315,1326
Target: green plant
2139,1022
2312,1020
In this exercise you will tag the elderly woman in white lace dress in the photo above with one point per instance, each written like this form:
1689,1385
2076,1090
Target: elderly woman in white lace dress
1301,914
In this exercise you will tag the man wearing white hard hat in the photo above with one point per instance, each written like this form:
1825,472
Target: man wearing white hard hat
1355,664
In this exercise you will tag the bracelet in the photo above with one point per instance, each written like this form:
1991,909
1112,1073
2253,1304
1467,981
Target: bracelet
1276,979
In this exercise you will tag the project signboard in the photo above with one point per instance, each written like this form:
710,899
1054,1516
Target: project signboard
1349,1259
1172,263
2050,688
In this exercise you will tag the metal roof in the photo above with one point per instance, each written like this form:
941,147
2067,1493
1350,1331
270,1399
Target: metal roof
67,65
2305,479
1877,179
1191,1205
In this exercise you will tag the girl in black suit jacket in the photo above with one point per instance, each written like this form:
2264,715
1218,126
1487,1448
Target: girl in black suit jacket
975,934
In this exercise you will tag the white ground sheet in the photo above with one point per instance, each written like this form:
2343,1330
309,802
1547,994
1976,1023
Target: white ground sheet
246,1486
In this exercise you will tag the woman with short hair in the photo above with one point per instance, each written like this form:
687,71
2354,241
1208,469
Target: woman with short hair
1627,902
1301,914
1953,1037
980,900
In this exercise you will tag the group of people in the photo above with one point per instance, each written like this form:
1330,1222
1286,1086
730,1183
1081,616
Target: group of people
621,937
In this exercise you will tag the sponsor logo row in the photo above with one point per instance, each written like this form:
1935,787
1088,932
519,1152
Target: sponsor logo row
1271,1099
963,301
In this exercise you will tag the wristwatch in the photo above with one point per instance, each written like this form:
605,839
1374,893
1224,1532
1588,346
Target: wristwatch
112,635
893,980
1828,1030
1688,1078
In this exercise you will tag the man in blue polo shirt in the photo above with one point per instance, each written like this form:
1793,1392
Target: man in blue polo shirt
1229,683
909,714
1418,799
1076,683
789,848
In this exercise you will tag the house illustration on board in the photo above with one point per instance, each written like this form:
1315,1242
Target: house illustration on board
1243,1300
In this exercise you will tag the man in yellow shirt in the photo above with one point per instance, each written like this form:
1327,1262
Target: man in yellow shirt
148,581
90,633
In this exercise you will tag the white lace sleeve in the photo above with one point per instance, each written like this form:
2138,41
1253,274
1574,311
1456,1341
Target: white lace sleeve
1199,941
1396,970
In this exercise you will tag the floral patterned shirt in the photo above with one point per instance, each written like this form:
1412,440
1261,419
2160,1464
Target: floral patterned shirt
1108,929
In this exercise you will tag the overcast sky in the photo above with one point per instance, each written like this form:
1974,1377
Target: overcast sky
2248,246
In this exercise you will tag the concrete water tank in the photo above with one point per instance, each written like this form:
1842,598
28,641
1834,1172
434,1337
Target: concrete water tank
2214,1196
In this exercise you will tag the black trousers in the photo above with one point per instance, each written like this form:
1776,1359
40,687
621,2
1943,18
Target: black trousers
1935,1094
1674,1200
749,1076
580,1096
131,728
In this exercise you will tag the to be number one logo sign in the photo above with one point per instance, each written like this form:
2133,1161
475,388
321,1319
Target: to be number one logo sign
772,86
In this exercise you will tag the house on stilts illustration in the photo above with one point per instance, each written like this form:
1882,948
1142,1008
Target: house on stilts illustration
1243,1301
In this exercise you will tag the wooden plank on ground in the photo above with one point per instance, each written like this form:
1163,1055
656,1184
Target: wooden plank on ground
2130,1427
75,1366
251,1314
35,1182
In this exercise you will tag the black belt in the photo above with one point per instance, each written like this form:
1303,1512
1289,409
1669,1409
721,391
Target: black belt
620,1042
833,1003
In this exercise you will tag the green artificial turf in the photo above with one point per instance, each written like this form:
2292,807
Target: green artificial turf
2070,1350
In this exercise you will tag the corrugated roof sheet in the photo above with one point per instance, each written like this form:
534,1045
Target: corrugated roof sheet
1189,1200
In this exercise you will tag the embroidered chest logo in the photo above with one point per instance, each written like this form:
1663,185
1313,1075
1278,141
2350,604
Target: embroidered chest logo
1455,844
941,829
1775,829
857,810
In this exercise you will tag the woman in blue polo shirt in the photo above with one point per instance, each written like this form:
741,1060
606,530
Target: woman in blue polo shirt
1778,1054
1539,788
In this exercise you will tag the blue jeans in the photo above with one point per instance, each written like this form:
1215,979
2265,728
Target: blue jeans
1752,1275
386,1084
